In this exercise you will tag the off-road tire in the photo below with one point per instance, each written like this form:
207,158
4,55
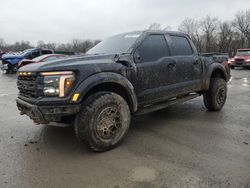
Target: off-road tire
93,109
215,98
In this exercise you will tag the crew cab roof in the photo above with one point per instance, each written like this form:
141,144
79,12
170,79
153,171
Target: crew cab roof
164,32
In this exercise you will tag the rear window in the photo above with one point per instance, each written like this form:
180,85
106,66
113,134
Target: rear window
46,52
180,46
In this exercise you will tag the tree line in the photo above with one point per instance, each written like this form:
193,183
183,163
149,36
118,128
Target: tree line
209,34
75,45
212,35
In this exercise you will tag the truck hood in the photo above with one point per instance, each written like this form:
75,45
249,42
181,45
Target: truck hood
71,63
12,56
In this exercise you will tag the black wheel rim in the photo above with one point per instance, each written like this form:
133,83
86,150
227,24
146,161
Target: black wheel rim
221,96
109,122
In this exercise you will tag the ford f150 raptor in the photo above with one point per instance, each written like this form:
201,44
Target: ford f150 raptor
127,74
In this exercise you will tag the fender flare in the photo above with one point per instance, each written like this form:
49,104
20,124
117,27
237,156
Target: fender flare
107,77
211,69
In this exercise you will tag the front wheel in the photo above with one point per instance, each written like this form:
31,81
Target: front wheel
215,97
103,121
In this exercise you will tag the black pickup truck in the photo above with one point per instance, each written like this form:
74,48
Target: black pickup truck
127,74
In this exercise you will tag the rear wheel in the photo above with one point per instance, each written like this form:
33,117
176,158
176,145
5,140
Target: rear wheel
215,97
103,121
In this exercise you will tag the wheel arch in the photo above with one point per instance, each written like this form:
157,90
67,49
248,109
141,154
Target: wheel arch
111,82
215,71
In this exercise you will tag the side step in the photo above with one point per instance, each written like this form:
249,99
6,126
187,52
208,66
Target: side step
163,105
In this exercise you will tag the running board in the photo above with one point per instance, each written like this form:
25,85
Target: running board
163,105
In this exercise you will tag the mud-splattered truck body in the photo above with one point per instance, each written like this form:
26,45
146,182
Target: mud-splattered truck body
127,74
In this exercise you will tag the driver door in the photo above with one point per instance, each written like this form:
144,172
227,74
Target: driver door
156,70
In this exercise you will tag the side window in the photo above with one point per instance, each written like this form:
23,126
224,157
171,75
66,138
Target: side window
29,56
46,52
180,46
153,48
35,54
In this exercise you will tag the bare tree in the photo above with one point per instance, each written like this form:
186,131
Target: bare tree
242,23
40,44
208,34
95,42
193,29
225,36
154,26
2,45
208,26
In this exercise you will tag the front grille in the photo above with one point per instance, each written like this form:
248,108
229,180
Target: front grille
27,86
239,61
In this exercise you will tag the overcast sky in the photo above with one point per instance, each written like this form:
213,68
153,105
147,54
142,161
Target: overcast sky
63,20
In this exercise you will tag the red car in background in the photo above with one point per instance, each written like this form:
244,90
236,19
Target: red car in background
42,58
241,59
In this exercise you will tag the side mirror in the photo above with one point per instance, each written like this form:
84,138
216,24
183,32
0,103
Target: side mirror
137,57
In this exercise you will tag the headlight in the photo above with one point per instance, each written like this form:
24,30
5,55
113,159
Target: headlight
248,60
57,83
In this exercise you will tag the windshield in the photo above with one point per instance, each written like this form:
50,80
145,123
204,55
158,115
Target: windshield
243,52
117,44
25,52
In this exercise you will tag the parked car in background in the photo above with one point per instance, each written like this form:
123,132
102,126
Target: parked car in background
241,59
40,59
10,61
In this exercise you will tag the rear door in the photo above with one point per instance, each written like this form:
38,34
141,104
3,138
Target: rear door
155,69
188,64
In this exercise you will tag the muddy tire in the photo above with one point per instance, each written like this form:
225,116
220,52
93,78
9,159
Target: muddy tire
103,121
215,97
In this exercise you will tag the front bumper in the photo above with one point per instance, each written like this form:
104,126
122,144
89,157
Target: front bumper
240,65
46,114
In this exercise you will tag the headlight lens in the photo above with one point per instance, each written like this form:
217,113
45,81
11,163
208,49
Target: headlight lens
57,83
248,60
